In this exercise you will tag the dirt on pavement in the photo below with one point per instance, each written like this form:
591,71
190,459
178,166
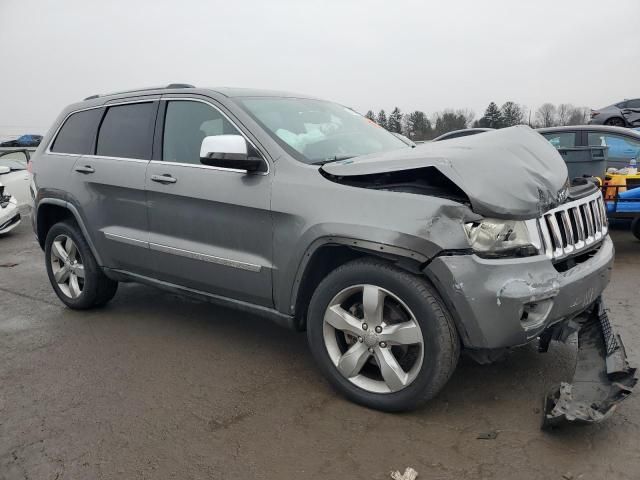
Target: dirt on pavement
158,386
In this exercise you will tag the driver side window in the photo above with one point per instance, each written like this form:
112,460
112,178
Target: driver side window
186,123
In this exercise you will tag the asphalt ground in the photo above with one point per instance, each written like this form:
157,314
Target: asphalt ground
158,386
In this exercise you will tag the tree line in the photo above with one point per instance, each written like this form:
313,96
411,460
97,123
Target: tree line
418,126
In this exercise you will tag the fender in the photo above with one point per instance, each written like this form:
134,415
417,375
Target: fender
76,215
371,247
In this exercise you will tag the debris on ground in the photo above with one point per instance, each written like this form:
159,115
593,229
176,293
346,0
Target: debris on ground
409,474
492,435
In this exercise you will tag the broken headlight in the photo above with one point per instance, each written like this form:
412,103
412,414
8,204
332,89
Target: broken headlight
494,238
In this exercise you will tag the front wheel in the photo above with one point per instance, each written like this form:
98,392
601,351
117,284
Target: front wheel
381,335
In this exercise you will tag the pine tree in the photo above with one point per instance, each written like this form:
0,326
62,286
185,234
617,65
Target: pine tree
492,117
512,114
370,115
395,121
418,126
381,119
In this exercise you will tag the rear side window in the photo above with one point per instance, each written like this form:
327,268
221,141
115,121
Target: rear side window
127,131
78,133
561,139
633,103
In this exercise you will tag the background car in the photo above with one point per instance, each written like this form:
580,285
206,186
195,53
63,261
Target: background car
23,141
461,133
16,181
622,114
623,143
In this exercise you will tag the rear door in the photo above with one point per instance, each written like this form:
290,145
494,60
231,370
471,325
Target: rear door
210,228
622,148
108,185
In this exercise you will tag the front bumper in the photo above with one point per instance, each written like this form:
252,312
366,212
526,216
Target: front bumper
603,377
509,302
9,216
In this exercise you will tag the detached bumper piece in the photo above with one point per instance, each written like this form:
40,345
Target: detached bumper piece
603,377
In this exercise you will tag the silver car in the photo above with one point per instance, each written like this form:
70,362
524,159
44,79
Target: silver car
622,114
393,258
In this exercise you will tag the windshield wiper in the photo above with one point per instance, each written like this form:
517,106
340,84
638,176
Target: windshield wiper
337,158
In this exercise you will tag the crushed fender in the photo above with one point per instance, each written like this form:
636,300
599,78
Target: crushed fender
603,377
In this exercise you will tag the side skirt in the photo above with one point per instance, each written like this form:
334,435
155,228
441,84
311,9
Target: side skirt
275,316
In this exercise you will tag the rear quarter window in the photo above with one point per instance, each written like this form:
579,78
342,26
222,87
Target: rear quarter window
78,133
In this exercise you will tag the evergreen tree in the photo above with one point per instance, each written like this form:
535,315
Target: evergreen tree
370,115
394,123
381,119
450,120
418,126
492,117
512,114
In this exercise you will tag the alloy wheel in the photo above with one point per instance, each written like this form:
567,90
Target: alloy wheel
373,339
67,266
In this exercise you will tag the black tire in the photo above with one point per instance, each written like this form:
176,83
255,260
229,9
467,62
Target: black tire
98,289
441,342
635,227
616,122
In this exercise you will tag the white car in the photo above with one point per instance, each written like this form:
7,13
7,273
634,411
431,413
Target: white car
9,214
16,178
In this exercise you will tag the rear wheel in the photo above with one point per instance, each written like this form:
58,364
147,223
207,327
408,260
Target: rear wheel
635,227
381,335
73,271
616,122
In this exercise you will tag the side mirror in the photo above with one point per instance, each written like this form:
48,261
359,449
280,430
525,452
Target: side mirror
4,170
230,151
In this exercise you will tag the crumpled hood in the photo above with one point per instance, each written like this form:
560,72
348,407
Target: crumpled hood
509,173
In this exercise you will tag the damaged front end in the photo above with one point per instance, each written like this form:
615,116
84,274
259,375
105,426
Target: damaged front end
603,377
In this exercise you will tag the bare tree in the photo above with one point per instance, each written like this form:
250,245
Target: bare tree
546,115
563,113
580,116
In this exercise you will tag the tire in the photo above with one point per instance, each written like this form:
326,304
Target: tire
616,122
90,288
635,227
406,296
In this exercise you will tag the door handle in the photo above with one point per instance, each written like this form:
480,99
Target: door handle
166,178
85,169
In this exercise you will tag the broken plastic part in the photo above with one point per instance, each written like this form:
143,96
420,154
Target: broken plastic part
603,377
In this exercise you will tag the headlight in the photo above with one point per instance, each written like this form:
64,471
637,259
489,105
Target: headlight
500,238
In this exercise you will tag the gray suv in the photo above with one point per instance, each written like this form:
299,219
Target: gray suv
392,258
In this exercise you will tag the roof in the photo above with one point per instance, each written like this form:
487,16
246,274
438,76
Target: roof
592,128
181,87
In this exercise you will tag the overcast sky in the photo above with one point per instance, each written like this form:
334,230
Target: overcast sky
363,53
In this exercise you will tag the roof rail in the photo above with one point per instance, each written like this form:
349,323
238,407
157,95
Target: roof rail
171,85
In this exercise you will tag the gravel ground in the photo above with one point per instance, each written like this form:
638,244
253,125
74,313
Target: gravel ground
157,386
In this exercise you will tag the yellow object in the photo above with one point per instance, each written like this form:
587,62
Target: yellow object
616,184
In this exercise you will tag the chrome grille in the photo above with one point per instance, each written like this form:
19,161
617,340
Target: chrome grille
571,227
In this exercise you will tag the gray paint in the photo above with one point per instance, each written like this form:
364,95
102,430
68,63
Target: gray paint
196,234
507,173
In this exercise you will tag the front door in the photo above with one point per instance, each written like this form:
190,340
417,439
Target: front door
210,228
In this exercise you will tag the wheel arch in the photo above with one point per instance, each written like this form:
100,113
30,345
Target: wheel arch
327,254
53,210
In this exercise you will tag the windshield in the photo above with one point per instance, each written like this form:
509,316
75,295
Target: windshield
315,131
